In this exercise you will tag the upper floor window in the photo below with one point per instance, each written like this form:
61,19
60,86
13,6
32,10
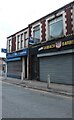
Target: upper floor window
25,39
36,34
9,45
55,27
18,42
22,41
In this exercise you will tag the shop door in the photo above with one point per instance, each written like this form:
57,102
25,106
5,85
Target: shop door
35,68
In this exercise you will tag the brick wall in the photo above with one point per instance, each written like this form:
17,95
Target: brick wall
13,44
43,29
69,20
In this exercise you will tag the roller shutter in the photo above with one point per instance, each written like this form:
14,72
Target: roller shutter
14,69
58,67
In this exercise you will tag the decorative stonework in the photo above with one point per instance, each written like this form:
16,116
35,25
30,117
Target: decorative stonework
69,19
64,23
43,30
72,11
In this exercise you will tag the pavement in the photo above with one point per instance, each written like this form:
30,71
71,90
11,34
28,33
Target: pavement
33,84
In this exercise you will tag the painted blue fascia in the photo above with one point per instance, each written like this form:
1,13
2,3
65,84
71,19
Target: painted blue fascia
13,59
16,54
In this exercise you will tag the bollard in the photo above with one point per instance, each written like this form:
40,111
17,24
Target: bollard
5,75
48,82
22,76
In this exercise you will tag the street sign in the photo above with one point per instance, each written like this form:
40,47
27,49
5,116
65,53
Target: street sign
3,50
31,41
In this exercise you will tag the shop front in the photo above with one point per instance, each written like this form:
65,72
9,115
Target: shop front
56,60
17,64
33,63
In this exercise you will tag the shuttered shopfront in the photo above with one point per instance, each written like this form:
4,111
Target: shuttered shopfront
56,60
17,64
58,67
14,69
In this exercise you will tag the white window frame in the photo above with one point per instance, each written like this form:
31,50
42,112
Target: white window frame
32,29
53,17
9,44
18,47
20,39
26,39
54,21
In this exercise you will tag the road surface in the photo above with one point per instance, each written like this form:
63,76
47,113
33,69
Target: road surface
19,102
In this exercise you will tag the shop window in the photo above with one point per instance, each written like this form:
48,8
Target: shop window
36,34
55,27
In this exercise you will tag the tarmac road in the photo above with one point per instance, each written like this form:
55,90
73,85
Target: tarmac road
19,102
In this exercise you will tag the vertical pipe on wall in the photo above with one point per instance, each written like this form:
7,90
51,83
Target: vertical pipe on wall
27,67
28,57
23,69
6,71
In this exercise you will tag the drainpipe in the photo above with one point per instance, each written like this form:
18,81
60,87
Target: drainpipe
23,69
6,71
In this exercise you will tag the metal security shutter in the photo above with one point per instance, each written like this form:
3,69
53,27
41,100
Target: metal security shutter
58,67
14,69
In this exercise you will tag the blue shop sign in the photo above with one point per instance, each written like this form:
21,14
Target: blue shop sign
20,53
3,50
13,59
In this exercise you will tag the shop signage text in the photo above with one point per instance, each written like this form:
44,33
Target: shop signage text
18,54
59,44
70,42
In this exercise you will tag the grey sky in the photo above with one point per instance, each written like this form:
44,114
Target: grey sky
17,14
